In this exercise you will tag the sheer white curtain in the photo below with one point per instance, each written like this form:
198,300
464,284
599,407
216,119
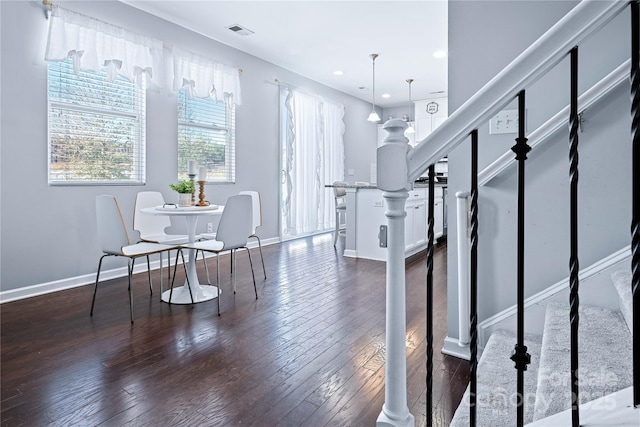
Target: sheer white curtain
96,46
333,157
312,144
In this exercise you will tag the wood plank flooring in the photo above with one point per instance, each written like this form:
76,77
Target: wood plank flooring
308,352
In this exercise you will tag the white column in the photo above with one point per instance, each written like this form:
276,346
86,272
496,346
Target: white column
393,179
462,216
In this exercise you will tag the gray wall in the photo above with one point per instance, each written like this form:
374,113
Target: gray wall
484,36
49,233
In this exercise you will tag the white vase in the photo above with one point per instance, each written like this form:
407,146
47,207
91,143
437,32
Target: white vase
184,199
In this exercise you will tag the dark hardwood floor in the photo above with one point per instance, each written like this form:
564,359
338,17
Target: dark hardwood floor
309,352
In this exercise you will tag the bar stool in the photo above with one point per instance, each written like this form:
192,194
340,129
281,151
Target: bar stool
340,197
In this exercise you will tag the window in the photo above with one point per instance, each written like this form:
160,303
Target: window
206,133
96,128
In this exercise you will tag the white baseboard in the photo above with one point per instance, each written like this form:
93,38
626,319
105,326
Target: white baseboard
505,317
86,279
452,348
613,410
350,253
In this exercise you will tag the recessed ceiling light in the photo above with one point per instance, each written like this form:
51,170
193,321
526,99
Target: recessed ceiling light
338,73
386,95
238,29
439,54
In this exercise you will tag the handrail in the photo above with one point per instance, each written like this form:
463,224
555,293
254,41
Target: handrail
582,21
561,118
399,165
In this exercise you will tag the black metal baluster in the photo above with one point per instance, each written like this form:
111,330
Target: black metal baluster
520,355
473,276
635,217
574,264
430,248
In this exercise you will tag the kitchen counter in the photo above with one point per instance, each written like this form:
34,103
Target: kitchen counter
366,213
352,186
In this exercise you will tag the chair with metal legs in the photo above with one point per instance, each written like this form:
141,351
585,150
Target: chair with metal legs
234,229
152,227
114,241
256,206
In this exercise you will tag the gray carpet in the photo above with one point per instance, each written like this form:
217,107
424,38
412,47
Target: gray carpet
604,357
605,349
622,282
497,383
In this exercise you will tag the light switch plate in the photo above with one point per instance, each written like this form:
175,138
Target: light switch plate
506,121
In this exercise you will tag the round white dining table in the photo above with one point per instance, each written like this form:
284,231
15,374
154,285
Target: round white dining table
200,292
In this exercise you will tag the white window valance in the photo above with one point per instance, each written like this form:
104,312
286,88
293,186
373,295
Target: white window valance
205,78
99,46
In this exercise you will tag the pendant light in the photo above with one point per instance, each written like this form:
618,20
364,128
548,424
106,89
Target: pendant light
410,129
373,117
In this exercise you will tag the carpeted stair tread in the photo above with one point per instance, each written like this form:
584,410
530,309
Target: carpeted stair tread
622,282
497,382
604,344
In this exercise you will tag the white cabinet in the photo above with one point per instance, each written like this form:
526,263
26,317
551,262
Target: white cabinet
415,223
438,218
429,114
368,214
438,214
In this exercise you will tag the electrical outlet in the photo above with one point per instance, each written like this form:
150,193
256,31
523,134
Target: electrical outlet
378,204
506,121
209,227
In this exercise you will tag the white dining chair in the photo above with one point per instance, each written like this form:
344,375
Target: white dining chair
256,211
114,241
152,228
256,207
340,199
234,229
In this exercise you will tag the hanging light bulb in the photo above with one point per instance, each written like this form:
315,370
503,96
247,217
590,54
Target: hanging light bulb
410,129
373,117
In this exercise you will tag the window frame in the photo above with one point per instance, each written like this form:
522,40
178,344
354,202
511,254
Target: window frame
136,115
229,128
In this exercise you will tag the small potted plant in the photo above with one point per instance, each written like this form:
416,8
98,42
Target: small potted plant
184,189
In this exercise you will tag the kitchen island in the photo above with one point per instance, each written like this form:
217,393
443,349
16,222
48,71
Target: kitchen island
366,213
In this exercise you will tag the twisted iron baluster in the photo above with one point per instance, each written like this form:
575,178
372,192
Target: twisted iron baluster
430,247
473,291
574,264
635,218
520,355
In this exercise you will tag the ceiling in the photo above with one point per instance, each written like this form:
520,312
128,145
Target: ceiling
316,38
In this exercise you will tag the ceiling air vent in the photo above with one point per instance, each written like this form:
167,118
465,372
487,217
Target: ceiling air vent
240,30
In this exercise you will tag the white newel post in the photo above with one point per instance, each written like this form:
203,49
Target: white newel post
392,175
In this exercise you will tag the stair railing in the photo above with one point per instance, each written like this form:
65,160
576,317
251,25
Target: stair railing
520,356
635,215
574,264
473,276
398,166
543,133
